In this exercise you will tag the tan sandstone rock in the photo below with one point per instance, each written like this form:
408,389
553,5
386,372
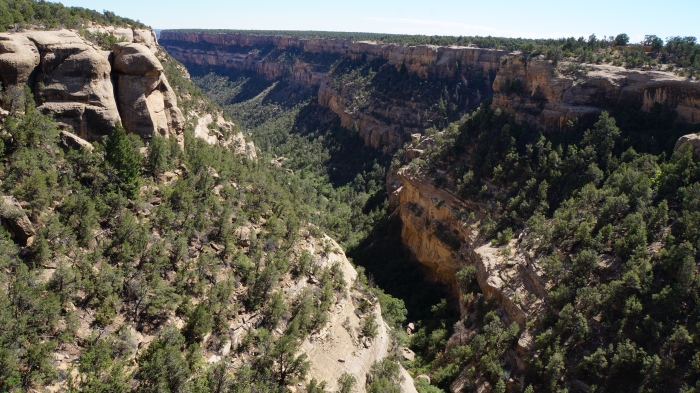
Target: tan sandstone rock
148,103
72,141
15,220
72,79
693,139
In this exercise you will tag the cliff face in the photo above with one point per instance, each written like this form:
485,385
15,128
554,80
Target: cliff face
89,90
384,123
549,96
424,60
532,89
435,231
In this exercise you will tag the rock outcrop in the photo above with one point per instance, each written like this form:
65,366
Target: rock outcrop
77,83
337,347
435,231
146,37
72,141
147,101
15,220
70,79
693,139
541,94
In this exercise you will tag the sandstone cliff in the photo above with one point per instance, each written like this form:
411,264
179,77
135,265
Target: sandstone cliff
386,122
435,230
539,93
534,90
89,90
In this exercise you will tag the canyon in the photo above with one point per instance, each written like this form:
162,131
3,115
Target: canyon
401,101
533,90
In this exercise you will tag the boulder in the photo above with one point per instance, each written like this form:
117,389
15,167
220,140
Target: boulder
72,141
146,37
135,59
693,139
18,59
152,106
408,355
423,377
144,90
70,77
15,220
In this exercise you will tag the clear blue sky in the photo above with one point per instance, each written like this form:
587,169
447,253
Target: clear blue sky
512,18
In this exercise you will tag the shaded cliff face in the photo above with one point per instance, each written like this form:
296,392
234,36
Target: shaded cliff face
435,230
89,90
541,94
395,106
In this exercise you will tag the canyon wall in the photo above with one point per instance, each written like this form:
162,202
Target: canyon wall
436,231
548,96
534,90
424,60
384,124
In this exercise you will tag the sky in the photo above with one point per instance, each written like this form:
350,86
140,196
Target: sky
505,18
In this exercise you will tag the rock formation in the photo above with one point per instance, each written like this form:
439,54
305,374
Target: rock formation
383,125
13,218
541,94
435,231
76,82
693,139
147,101
533,90
146,37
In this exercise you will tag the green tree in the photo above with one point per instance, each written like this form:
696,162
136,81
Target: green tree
158,151
124,160
622,39
163,368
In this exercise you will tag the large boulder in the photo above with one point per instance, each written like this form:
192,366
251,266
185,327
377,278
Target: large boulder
693,139
148,103
135,59
18,59
70,78
146,37
72,141
13,218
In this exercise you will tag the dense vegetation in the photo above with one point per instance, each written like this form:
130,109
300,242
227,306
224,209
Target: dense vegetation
121,249
55,15
612,215
307,140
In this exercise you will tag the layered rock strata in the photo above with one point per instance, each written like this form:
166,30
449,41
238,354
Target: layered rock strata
536,91
435,231
550,97
424,60
383,125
